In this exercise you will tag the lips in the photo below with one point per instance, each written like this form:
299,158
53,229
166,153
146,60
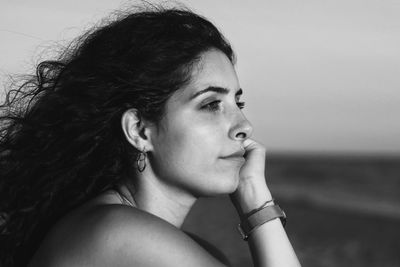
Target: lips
236,158
237,154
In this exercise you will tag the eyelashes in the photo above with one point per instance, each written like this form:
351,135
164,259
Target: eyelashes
213,106
216,105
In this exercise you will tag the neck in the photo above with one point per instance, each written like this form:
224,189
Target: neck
151,195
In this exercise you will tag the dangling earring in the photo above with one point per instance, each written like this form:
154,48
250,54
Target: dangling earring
141,160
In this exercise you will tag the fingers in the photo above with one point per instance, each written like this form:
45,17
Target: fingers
255,160
252,189
249,144
253,147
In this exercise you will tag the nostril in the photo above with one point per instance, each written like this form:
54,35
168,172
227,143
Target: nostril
241,135
241,130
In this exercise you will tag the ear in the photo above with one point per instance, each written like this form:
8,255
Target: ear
136,130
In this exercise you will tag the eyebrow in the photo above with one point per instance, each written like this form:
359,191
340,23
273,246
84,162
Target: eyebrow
216,89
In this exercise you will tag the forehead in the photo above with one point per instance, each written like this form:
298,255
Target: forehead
213,69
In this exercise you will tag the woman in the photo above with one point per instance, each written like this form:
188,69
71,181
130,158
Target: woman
105,151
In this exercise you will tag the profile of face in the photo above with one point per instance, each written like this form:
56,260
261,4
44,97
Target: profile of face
198,145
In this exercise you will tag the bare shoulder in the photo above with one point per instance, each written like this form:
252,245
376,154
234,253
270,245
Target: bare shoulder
116,235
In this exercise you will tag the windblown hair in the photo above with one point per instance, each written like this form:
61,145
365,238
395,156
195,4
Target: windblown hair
61,140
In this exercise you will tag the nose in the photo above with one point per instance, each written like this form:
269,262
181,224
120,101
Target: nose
241,129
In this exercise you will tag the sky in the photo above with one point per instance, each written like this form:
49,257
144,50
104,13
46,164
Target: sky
318,76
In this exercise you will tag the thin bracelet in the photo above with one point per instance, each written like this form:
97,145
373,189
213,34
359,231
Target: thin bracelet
247,215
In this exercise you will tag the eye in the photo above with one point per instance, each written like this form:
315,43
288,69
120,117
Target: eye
240,104
213,106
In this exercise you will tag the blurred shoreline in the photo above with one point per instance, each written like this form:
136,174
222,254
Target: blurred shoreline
361,183
329,155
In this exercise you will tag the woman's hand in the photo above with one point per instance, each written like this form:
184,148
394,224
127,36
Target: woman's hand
252,190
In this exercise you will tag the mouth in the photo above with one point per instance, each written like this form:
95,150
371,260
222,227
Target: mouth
239,159
237,156
234,161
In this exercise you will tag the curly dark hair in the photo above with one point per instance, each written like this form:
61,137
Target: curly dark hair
61,140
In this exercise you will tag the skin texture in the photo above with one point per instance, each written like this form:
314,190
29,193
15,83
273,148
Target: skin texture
187,151
197,132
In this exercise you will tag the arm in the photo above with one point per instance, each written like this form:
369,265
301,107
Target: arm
269,244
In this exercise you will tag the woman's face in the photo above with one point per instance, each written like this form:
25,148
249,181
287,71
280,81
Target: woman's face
202,127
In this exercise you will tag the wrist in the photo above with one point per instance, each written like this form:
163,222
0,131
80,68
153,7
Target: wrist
251,196
259,217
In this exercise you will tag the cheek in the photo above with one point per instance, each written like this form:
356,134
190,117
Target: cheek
194,145
188,145
190,132
188,154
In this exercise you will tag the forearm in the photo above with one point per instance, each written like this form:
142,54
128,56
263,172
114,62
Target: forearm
269,244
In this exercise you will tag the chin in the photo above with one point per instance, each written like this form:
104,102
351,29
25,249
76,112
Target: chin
235,184
224,185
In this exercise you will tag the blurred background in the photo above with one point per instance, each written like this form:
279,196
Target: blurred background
321,83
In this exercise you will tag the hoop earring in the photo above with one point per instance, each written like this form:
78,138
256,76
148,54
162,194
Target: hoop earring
141,160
